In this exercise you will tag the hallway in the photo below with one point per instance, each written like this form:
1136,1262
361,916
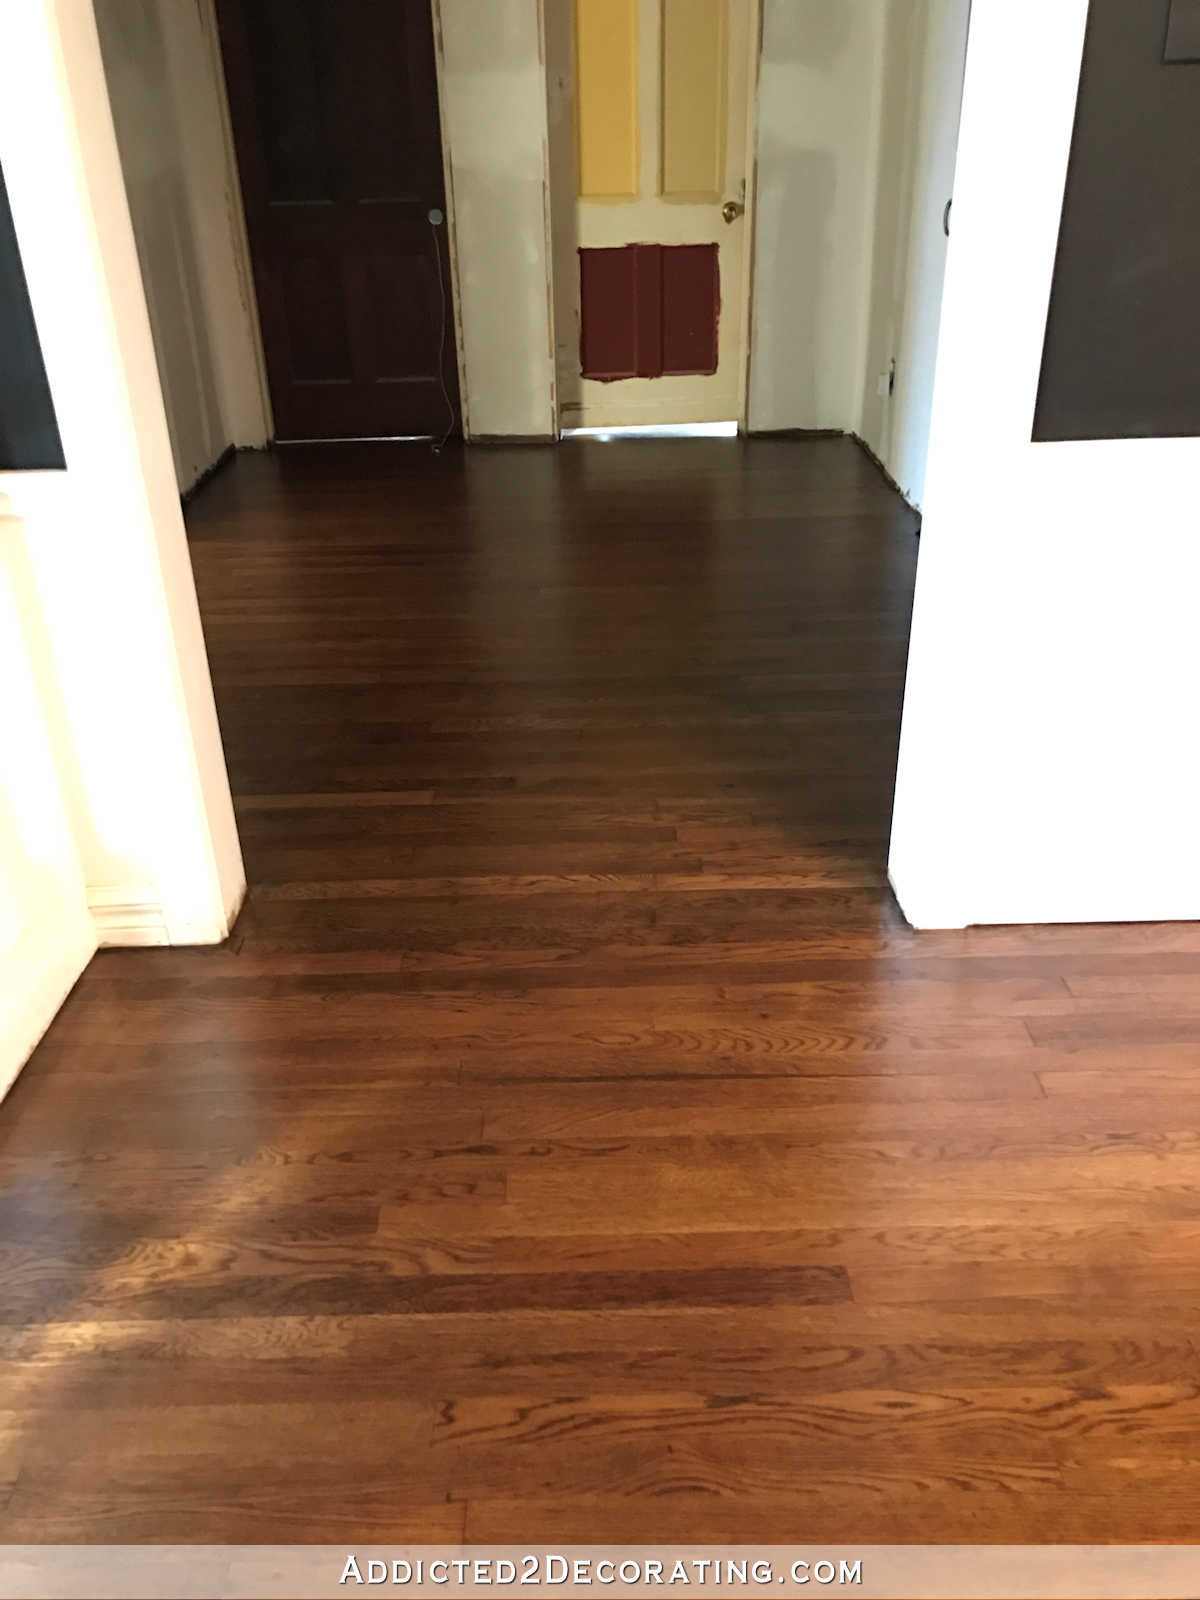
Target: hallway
573,1142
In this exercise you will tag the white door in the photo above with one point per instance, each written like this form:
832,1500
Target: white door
46,933
650,110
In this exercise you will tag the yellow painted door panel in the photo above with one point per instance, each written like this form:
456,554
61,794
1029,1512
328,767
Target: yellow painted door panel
606,78
695,71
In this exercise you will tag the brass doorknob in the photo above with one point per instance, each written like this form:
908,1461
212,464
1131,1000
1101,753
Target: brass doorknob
732,210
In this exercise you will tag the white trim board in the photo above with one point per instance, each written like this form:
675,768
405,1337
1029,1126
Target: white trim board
120,920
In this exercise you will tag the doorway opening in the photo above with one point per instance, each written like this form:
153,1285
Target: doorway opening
656,214
750,196
750,203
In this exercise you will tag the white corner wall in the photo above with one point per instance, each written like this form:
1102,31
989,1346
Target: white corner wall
926,46
167,92
1048,770
46,934
819,115
149,798
493,101
904,46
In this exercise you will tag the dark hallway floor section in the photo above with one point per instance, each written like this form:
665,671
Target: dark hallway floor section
572,1142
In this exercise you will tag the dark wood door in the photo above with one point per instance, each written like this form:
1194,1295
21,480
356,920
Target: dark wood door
335,117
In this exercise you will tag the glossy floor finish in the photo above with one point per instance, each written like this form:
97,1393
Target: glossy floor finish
573,1143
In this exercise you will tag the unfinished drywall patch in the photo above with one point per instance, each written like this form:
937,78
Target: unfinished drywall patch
166,90
492,78
819,106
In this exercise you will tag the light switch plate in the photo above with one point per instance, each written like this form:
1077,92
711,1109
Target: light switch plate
1183,31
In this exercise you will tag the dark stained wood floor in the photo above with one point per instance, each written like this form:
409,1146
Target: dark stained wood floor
573,1142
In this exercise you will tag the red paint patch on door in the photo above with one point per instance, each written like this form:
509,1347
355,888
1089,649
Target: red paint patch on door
649,311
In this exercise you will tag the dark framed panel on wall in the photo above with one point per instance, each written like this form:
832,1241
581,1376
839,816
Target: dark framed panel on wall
28,428
1122,350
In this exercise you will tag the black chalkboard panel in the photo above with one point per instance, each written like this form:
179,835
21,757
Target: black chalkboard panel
1122,351
28,429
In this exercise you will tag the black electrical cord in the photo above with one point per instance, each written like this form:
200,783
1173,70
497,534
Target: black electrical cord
435,222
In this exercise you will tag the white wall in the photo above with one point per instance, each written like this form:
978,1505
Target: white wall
149,802
167,91
922,94
819,117
857,133
899,125
939,97
493,100
1048,768
46,934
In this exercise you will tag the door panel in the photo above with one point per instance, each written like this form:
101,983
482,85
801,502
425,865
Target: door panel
649,311
659,100
606,98
335,119
693,119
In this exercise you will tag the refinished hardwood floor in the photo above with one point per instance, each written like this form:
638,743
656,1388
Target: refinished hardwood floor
572,1141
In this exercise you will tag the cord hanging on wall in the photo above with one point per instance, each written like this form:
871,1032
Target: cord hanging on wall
436,217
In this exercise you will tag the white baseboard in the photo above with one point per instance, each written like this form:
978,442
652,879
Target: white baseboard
126,922
122,916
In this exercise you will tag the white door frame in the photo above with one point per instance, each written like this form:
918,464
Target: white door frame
492,100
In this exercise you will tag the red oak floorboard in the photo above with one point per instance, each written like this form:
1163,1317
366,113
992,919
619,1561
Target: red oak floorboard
572,1141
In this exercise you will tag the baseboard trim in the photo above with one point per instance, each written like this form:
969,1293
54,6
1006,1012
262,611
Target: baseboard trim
512,438
119,921
208,474
885,474
838,433
797,433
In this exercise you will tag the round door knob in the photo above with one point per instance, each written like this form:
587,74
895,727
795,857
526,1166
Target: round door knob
732,210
